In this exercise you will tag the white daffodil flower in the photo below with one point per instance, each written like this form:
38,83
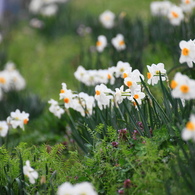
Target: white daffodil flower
189,130
118,42
3,128
187,52
175,15
18,119
183,87
154,73
107,19
30,172
101,43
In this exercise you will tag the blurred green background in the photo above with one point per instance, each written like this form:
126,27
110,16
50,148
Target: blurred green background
47,61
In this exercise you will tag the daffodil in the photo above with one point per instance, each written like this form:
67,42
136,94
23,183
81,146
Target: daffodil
3,128
189,130
30,172
160,8
183,87
103,95
155,71
101,43
187,5
121,67
55,108
187,52
118,42
175,15
107,19
18,119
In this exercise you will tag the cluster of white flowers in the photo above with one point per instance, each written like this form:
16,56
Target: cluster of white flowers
154,72
183,87
174,13
16,119
10,79
80,102
77,189
45,7
118,43
187,52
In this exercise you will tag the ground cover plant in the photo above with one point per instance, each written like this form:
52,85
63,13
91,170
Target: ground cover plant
121,119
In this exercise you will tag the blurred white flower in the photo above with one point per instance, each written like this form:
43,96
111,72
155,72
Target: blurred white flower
187,5
84,188
154,73
187,52
118,42
66,95
107,19
30,172
160,8
36,23
49,10
101,43
55,108
77,189
18,119
189,130
120,95
183,87
175,15
3,128
121,67
66,189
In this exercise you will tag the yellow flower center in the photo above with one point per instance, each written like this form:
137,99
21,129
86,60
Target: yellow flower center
173,84
125,75
136,96
174,14
109,76
98,43
187,1
66,100
149,75
190,126
2,80
97,92
185,51
157,72
122,70
121,43
107,17
184,89
62,91
25,121
129,83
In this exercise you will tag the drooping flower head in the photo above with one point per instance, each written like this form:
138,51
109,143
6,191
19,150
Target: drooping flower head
30,172
55,108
